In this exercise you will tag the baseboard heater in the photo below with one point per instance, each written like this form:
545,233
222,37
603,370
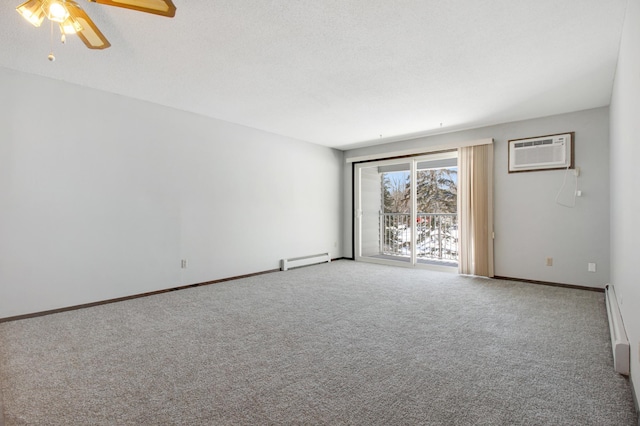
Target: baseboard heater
296,262
619,341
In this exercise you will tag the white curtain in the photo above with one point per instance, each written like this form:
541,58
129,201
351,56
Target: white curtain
475,206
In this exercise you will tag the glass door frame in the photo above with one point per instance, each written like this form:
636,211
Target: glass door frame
358,210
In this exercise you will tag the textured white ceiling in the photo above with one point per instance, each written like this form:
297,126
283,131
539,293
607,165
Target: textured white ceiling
342,73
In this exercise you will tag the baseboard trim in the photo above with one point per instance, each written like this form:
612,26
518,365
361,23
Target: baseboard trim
134,296
137,296
577,287
635,400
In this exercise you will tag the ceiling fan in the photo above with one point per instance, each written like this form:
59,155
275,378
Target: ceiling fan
73,20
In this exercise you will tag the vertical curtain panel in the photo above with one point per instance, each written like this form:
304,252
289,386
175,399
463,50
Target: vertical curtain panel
475,206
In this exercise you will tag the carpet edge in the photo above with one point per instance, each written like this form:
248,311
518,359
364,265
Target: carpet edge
1,408
139,295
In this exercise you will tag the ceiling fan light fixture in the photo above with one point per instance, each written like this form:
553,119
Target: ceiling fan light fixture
32,11
70,26
57,12
73,20
157,7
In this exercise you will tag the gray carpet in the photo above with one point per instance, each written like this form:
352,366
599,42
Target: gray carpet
339,343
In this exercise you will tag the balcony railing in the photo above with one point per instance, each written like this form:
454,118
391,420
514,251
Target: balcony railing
436,233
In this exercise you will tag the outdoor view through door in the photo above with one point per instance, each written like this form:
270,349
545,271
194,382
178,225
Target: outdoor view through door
407,210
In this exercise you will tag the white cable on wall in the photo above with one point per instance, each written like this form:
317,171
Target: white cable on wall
576,173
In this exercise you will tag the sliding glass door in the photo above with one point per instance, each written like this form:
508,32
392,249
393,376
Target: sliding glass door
406,211
383,211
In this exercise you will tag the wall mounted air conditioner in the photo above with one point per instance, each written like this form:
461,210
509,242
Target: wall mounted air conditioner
541,153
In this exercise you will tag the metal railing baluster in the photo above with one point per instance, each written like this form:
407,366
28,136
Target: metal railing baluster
436,236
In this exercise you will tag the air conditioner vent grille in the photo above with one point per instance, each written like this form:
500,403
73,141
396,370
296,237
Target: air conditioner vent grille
534,143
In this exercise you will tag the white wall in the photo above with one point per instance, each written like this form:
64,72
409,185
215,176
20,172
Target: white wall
529,225
101,196
625,182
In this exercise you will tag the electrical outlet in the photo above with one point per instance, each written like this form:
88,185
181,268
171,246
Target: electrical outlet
591,267
183,263
549,261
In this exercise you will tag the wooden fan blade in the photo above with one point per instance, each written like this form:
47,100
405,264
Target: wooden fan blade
90,34
157,7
